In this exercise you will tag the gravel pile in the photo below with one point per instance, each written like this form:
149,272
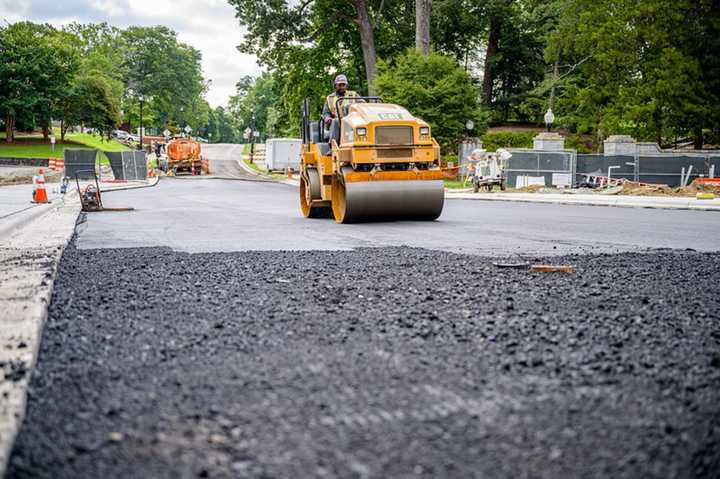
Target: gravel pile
388,362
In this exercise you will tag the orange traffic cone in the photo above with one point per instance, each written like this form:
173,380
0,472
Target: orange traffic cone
39,191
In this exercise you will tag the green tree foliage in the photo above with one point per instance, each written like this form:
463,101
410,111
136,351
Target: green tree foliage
71,74
647,68
255,98
166,73
91,103
434,88
35,68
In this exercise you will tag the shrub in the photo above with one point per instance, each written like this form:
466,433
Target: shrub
437,89
507,139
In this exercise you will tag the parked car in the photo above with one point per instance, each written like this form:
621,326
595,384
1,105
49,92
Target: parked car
134,138
121,134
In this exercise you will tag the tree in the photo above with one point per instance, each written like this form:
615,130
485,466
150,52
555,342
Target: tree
166,73
35,68
275,28
92,104
433,87
640,68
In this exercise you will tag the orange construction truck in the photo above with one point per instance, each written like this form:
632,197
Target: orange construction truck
183,155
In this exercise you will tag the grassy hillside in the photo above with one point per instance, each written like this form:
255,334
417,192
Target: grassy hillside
33,146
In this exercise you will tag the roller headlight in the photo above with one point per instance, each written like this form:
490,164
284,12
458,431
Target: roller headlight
361,131
424,132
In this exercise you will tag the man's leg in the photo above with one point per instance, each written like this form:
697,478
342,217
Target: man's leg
335,131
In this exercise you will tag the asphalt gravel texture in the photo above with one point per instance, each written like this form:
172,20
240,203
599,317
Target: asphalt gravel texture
383,362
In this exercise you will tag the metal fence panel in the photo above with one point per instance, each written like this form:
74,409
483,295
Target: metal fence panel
116,163
539,164
80,163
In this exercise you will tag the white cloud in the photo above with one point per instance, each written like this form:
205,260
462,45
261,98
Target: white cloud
208,25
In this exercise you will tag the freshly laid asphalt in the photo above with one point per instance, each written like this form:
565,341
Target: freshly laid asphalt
382,362
183,342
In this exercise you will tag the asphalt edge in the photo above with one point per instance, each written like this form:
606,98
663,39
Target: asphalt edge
40,301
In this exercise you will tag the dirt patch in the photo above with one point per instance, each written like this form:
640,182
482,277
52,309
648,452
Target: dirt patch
630,188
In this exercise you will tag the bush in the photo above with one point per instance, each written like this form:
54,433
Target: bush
507,139
437,89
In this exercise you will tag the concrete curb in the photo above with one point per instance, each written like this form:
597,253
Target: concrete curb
29,259
616,201
15,221
150,184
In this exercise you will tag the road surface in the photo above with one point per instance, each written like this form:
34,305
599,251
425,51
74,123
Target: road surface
214,333
221,215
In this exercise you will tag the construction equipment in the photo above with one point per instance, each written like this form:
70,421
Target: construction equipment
488,169
90,198
183,156
382,165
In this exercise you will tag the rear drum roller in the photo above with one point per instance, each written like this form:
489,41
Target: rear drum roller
306,196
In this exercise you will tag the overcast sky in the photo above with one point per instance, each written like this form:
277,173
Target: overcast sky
208,25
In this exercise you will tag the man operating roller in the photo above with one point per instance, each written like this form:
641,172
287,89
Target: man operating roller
330,109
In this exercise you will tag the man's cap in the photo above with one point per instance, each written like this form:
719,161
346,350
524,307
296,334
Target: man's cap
341,79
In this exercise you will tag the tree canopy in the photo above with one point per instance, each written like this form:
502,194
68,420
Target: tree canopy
98,76
648,68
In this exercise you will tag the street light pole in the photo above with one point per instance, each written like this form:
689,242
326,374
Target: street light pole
142,100
252,139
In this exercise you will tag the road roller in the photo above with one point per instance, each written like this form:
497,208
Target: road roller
376,163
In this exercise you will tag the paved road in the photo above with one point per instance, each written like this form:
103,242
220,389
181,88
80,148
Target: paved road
221,215
386,361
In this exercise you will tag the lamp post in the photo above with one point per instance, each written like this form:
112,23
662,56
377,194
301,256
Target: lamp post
142,101
469,127
549,119
252,139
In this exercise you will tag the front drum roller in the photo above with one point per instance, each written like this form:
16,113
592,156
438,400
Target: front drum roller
361,201
310,191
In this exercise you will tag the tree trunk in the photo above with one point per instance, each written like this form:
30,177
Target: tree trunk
62,131
556,77
492,48
698,139
367,42
46,131
9,127
423,10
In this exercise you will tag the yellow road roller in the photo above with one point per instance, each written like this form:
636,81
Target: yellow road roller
377,163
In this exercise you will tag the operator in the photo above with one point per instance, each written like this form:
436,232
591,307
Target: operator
330,112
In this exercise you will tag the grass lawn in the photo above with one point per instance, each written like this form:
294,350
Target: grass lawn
254,166
456,184
33,146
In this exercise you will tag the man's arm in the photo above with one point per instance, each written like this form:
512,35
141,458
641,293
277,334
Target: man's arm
326,113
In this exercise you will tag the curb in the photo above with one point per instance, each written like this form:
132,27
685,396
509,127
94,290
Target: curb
606,201
131,187
30,323
15,221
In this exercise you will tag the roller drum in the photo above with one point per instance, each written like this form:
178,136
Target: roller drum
388,200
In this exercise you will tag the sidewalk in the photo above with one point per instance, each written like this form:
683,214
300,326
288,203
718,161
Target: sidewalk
662,202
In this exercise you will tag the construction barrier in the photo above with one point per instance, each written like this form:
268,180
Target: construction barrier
128,165
80,163
204,164
56,164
